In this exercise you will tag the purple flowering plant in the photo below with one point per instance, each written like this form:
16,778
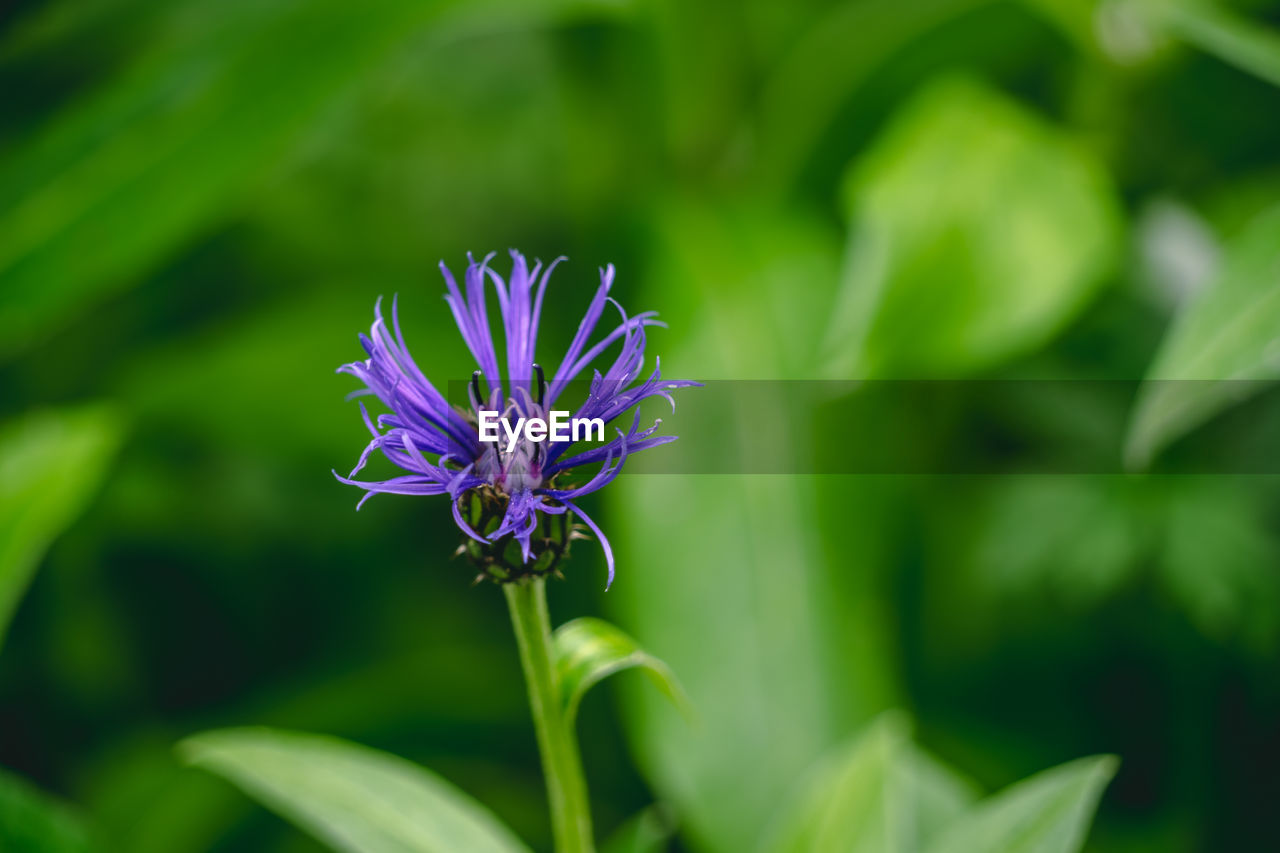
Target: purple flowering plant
514,503
525,494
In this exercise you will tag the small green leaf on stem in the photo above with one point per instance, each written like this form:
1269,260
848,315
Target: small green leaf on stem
589,650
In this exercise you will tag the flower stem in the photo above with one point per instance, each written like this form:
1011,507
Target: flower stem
566,788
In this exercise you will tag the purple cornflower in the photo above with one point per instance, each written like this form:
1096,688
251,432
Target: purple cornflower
499,495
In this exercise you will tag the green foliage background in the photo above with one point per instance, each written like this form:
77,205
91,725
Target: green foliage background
200,202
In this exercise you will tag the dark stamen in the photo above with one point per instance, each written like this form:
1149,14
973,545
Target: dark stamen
475,389
542,383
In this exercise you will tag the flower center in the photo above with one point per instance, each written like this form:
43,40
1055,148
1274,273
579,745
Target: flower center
520,467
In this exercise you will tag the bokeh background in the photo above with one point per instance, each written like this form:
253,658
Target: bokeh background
200,202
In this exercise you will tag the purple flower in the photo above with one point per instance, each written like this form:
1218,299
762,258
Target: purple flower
526,493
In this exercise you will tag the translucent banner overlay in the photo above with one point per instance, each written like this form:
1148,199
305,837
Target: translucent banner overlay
951,427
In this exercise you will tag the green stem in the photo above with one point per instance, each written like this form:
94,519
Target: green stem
566,788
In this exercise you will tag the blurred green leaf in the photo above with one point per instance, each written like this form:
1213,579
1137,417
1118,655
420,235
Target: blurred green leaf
51,463
879,794
1221,32
1204,540
1220,348
1049,812
649,831
727,580
939,794
589,650
1079,537
977,232
852,802
729,597
842,49
125,176
1218,560
33,822
354,798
